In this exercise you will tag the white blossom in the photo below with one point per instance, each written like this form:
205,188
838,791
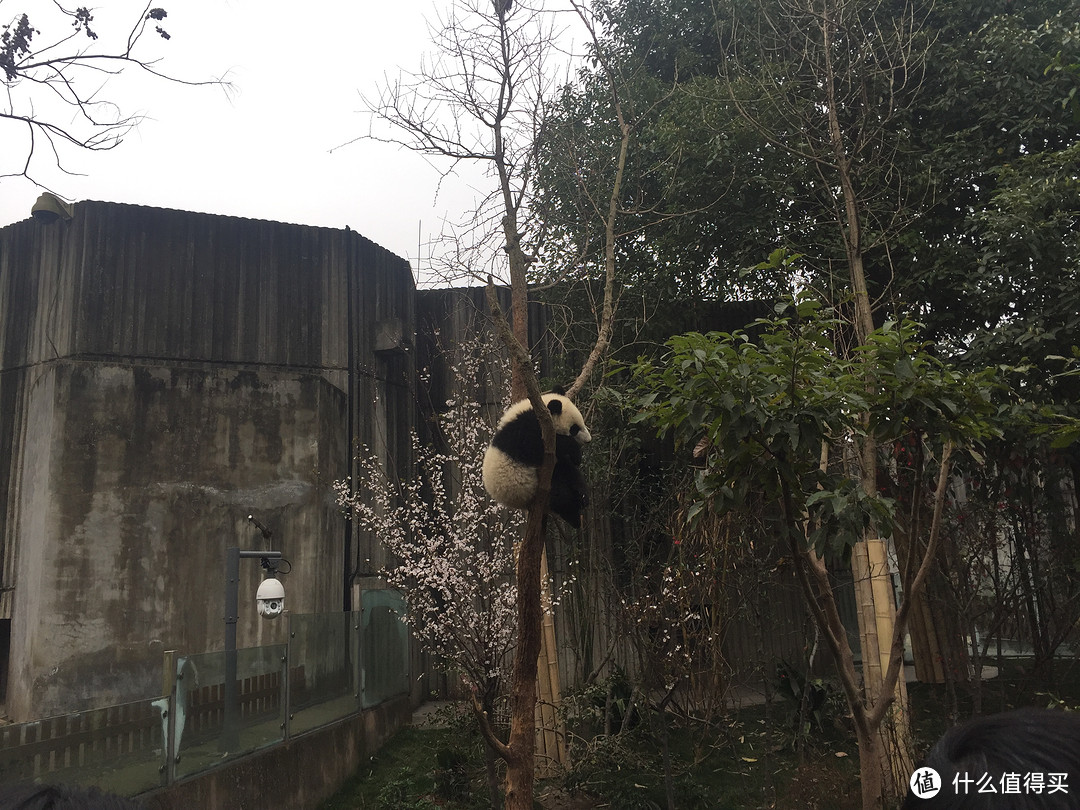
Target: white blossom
452,544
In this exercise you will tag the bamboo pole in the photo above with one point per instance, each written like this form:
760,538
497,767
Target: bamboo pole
550,736
867,614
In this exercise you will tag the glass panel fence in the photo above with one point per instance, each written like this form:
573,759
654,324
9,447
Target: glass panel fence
384,656
214,723
334,664
322,668
118,748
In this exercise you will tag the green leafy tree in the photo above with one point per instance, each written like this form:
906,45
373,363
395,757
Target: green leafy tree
918,156
963,147
688,222
777,416
991,267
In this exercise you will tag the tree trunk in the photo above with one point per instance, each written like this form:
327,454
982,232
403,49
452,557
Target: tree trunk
869,564
520,751
871,773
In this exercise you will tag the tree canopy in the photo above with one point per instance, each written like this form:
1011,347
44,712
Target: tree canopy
963,128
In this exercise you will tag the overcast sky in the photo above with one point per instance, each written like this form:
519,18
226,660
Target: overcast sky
298,69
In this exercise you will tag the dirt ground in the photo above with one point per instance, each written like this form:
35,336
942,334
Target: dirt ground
561,800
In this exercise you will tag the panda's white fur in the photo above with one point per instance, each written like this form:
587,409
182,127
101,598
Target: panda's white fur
512,459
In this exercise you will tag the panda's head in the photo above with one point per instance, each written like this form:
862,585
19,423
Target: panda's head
567,418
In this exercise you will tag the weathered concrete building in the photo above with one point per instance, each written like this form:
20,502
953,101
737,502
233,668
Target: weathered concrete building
162,376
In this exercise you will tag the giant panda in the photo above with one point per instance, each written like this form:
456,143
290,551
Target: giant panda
513,458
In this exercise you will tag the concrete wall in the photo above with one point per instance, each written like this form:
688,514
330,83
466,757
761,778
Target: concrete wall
295,776
162,375
143,477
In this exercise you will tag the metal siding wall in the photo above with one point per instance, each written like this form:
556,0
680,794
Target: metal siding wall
11,415
130,281
146,282
168,285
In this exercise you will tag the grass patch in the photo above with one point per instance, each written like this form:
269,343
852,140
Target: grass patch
740,762
744,761
407,773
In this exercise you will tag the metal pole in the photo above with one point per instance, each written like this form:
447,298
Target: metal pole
230,733
286,702
168,689
355,619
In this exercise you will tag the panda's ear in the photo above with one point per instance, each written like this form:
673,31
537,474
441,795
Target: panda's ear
555,406
558,389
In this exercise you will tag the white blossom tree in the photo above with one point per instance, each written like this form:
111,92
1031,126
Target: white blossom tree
451,544
483,101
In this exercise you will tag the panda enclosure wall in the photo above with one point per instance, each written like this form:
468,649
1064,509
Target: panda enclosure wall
163,374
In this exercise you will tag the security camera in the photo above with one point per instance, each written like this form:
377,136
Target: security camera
270,598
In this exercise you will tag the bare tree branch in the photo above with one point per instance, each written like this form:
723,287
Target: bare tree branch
482,100
55,88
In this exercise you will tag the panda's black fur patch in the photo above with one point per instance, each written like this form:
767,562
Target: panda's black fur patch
521,439
569,492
